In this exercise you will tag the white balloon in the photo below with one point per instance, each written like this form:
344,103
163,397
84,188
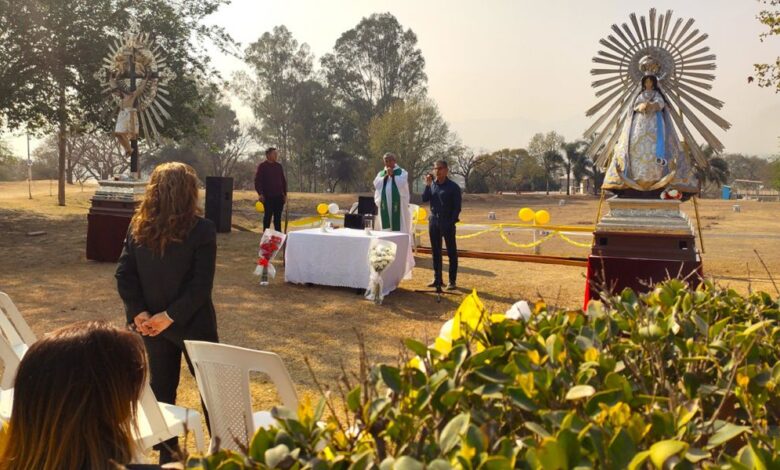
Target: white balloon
333,208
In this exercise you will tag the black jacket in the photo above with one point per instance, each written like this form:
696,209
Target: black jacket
445,199
179,282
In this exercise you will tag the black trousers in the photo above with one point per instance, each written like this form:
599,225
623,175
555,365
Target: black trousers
273,208
164,373
446,232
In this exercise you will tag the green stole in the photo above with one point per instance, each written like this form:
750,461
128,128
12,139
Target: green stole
391,217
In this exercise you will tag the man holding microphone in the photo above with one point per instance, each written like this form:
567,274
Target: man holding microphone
445,198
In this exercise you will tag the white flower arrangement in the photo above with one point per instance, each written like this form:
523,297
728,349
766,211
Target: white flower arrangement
380,256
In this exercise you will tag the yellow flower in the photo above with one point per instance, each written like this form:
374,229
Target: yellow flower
619,414
591,354
533,355
742,380
526,382
603,414
561,356
328,454
468,452
539,306
305,410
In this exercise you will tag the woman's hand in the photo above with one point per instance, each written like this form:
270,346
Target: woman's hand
158,323
139,321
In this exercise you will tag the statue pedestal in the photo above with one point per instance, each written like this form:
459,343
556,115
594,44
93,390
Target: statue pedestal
113,206
640,242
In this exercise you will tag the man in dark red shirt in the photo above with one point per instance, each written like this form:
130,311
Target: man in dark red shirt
271,187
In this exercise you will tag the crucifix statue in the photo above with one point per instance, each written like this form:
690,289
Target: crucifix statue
127,122
135,74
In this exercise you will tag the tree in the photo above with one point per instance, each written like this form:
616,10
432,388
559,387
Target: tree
775,173
295,111
51,50
92,154
46,159
280,67
575,163
225,142
466,161
415,132
768,75
317,122
10,166
372,66
506,169
529,174
340,167
717,172
184,151
746,167
546,148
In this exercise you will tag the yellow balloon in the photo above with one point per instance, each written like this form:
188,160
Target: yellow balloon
526,214
542,217
259,207
322,208
422,215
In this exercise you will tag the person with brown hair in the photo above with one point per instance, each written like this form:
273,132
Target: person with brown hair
75,400
165,276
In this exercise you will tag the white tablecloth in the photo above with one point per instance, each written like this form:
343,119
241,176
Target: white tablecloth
340,258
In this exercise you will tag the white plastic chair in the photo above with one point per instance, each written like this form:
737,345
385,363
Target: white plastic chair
10,364
413,208
158,422
12,325
222,373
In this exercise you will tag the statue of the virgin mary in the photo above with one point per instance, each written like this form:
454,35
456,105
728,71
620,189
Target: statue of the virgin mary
649,156
655,73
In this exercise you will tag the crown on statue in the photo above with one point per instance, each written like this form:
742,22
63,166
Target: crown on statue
649,65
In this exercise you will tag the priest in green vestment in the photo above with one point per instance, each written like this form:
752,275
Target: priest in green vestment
391,195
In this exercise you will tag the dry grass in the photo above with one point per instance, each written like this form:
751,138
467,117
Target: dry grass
53,285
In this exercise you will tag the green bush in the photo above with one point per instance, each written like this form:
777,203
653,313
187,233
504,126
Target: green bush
676,378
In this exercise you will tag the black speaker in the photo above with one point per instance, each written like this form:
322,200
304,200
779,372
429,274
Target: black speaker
219,202
353,221
366,205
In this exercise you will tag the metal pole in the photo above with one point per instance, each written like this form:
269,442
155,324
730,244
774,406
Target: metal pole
29,168
134,142
698,222
537,248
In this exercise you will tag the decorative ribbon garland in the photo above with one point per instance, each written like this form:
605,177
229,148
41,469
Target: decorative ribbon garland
557,231
524,245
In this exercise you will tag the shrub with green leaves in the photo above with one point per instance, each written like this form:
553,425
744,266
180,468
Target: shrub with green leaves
675,378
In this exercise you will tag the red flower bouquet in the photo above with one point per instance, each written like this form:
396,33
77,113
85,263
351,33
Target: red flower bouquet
270,244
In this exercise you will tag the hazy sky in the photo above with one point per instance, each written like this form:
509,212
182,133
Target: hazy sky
502,70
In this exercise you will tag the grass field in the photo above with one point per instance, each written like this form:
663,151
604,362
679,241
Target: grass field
53,284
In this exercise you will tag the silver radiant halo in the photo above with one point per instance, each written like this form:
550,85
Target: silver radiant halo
147,57
674,53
